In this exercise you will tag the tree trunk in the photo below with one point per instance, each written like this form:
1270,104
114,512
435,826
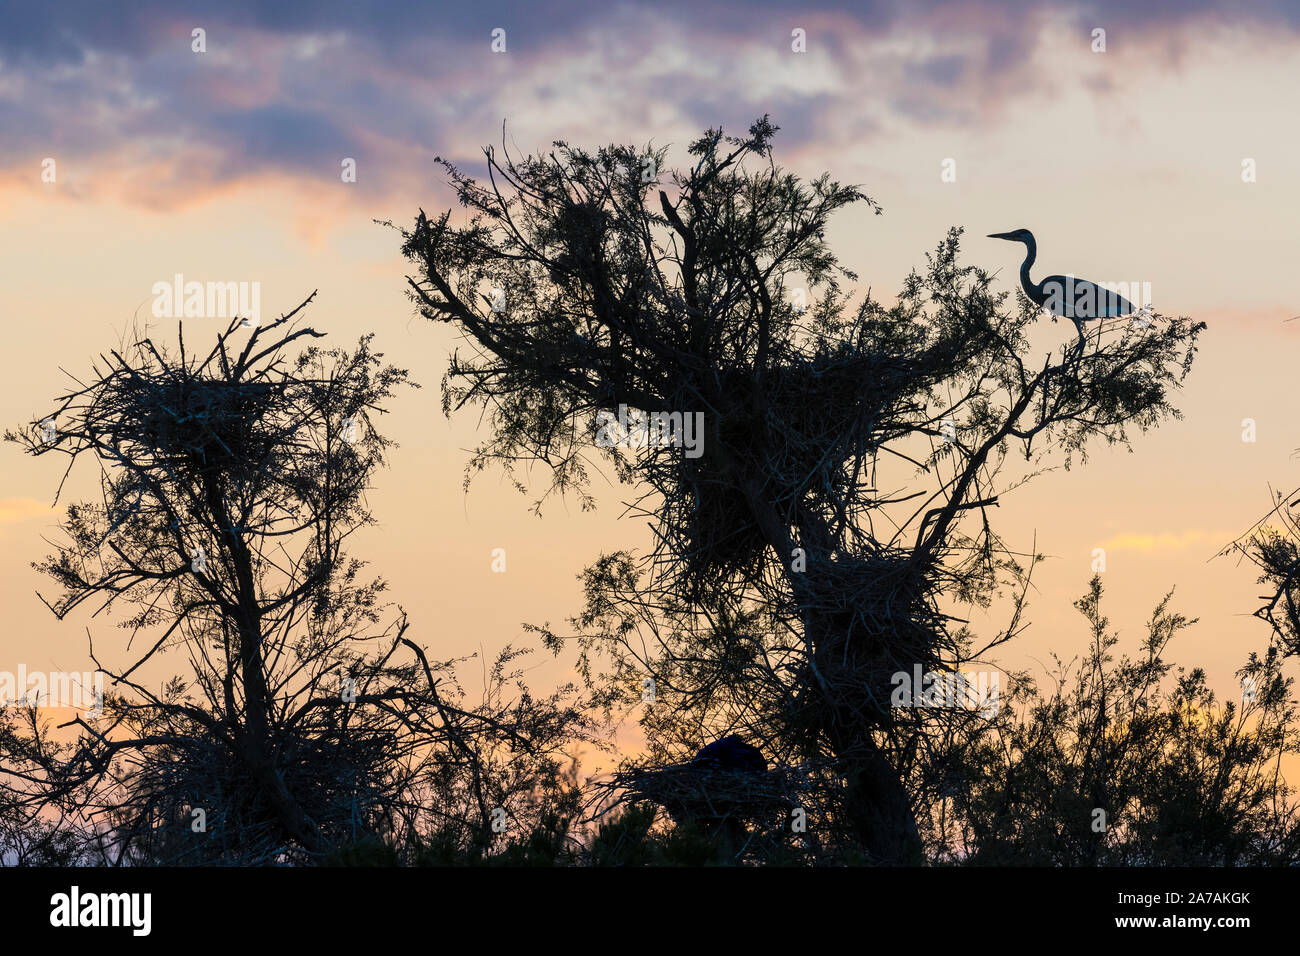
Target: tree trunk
256,730
877,806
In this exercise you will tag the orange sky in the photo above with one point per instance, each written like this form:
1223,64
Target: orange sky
1127,166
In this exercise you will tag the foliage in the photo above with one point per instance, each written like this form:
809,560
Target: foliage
302,719
838,517
1127,762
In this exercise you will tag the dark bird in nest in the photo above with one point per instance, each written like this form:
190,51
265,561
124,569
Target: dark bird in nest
722,791
731,754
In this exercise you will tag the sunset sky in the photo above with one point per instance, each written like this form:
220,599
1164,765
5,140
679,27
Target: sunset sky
225,166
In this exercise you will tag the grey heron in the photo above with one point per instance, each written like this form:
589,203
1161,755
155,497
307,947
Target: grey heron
1075,299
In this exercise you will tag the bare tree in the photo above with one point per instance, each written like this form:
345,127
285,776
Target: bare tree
303,718
838,516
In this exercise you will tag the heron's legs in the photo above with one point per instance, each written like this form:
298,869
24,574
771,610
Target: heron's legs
1078,349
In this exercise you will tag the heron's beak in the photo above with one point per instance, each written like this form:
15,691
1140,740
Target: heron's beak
999,235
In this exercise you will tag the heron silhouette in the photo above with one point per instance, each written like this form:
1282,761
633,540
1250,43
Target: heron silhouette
1075,299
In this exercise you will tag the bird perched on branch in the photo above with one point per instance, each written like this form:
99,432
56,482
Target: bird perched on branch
1075,299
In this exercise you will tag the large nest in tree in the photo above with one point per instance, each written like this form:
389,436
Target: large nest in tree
870,618
204,422
690,792
802,428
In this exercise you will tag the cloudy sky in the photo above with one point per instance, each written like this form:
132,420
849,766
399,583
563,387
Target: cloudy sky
225,165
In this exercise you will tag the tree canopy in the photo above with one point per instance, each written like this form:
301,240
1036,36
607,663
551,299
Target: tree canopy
302,719
840,512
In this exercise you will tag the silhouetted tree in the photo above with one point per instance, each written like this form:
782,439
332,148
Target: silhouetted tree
303,720
795,571
1125,762
1273,546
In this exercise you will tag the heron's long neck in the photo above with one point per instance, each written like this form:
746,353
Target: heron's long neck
1031,253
